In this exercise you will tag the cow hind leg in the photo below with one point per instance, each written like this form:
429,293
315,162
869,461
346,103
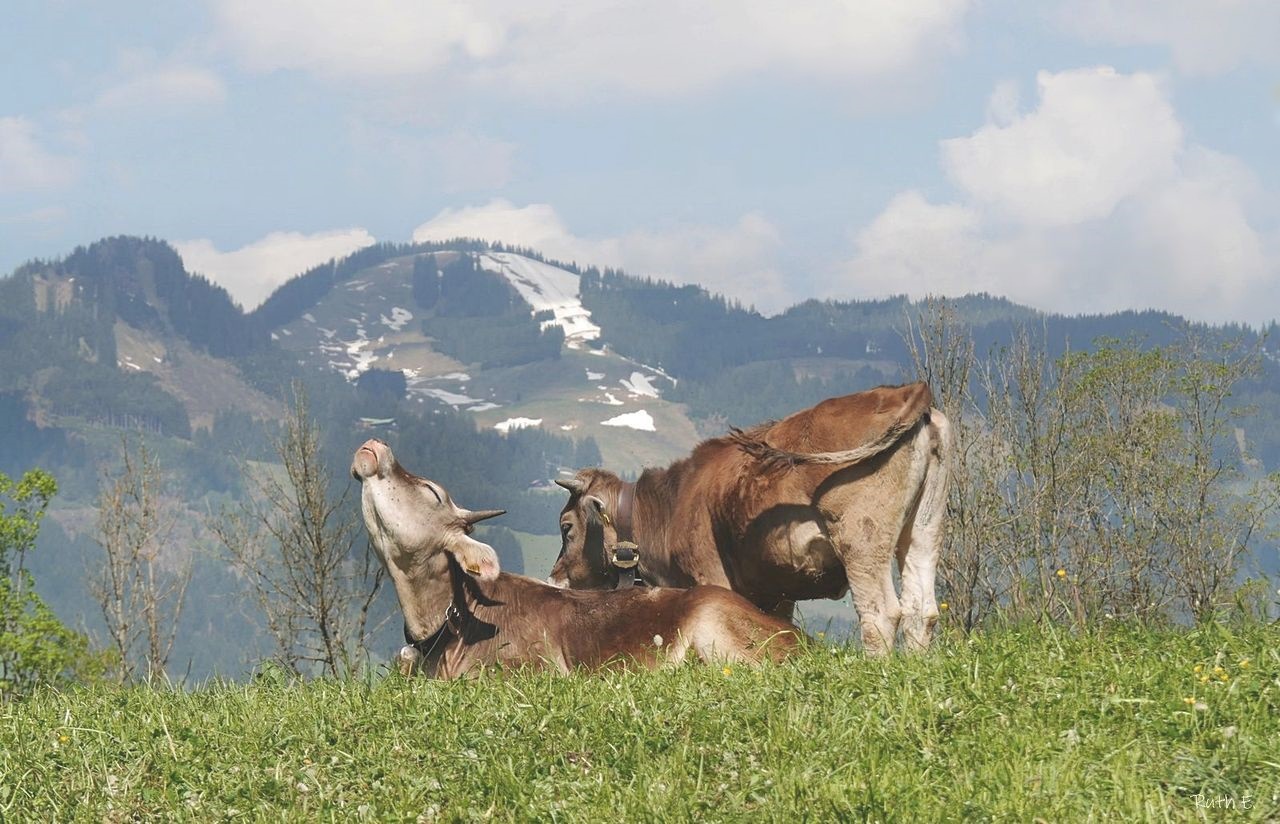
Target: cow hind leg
872,514
725,627
922,540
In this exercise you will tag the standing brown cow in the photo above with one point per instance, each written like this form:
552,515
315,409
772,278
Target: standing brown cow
808,507
462,612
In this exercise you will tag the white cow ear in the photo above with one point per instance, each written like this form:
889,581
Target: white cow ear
475,558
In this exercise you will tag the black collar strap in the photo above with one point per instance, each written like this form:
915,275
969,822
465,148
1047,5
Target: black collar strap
451,628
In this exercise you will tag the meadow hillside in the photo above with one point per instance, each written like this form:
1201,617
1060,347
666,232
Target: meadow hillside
1016,724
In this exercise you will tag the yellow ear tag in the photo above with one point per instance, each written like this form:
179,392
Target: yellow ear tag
473,569
604,516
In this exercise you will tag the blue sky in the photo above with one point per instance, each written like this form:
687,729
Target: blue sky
1075,155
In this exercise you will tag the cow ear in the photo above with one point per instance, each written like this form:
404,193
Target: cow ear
596,512
475,558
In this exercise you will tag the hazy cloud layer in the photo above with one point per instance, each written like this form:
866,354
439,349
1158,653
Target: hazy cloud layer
25,163
1094,201
1205,36
448,162
558,48
740,260
164,88
251,273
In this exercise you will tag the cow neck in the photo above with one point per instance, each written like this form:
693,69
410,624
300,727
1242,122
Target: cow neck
425,591
625,510
457,613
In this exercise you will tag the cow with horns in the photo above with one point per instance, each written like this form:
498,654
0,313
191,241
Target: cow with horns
811,506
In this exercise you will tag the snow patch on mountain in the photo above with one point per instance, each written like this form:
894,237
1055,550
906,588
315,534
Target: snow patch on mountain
640,420
639,384
399,317
451,398
546,288
516,423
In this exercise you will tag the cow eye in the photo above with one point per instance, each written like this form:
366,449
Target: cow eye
565,529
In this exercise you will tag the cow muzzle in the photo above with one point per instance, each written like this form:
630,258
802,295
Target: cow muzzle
364,464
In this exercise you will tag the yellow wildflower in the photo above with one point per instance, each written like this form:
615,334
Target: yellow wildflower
1198,668
1062,573
1244,663
944,606
63,739
1204,679
1189,700
728,671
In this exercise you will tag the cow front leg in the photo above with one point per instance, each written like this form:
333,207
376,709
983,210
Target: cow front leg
871,584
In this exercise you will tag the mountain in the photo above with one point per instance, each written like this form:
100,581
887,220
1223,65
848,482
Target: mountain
501,341
499,335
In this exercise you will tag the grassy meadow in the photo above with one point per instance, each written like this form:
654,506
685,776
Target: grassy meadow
1016,724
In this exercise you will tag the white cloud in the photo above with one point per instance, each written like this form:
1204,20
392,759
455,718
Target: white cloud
1205,36
1096,137
563,49
164,88
740,261
251,273
25,163
1092,202
536,226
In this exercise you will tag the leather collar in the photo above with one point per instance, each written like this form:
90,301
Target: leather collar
626,508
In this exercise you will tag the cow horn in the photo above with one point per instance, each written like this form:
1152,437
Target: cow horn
482,515
574,486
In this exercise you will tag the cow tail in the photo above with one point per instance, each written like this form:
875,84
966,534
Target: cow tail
774,458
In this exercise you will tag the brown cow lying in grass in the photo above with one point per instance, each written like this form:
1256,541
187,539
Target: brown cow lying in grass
461,612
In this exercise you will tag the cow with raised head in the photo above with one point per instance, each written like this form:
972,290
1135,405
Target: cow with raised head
461,612
811,506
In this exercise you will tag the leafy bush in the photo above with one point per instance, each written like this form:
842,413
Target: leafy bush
35,647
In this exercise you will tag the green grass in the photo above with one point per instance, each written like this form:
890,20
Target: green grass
1013,725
